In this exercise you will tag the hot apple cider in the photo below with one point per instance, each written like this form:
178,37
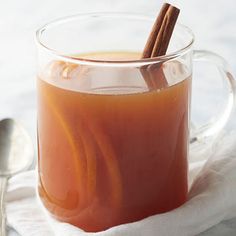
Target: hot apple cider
110,155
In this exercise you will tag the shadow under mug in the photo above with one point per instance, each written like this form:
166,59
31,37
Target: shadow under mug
112,148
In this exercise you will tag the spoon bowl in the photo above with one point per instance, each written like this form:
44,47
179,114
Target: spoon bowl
16,149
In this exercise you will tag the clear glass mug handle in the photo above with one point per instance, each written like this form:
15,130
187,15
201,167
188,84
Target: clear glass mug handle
213,128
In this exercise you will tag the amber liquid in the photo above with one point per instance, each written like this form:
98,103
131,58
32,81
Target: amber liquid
114,157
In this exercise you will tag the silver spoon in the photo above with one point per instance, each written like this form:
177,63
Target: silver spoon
16,155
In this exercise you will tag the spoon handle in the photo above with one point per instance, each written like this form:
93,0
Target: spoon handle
3,184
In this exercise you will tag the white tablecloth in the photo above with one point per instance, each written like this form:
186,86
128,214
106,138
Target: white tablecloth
213,23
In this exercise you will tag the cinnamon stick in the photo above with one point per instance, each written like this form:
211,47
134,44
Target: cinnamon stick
147,52
157,45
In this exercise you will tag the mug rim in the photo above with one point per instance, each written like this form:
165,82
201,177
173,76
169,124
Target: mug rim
100,62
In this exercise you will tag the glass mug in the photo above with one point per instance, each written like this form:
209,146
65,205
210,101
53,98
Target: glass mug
111,148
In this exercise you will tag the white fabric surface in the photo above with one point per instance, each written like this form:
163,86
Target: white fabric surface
213,23
212,199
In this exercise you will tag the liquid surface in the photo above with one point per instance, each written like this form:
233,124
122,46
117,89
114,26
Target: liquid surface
114,155
111,56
